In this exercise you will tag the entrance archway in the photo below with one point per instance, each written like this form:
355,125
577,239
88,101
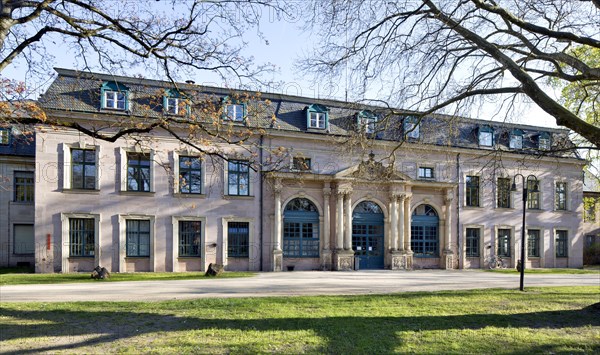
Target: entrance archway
367,235
425,240
301,229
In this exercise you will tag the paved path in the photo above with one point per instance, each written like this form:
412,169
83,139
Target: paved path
289,284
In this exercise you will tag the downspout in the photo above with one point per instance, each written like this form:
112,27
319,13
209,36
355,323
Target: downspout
458,231
261,213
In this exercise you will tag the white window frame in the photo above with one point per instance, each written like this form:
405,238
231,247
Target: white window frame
484,136
67,168
253,247
251,179
175,252
186,153
115,100
123,240
567,202
123,161
236,107
426,168
516,141
172,109
66,241
319,119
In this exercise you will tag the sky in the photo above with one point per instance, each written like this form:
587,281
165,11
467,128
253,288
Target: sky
283,44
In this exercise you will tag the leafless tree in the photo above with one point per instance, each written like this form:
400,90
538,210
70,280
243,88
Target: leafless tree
445,56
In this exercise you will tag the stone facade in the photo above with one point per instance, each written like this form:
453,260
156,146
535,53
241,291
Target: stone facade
389,206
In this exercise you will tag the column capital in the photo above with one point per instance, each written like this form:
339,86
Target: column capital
344,189
277,186
408,195
400,196
327,191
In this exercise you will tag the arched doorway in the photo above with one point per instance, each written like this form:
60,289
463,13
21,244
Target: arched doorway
300,229
367,235
425,240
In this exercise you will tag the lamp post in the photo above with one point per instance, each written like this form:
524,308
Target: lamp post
535,189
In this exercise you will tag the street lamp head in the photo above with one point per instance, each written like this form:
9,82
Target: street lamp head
536,187
513,187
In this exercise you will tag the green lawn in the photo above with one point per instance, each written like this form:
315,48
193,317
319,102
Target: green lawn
541,320
23,279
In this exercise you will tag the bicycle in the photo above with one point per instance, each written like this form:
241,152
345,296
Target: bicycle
495,262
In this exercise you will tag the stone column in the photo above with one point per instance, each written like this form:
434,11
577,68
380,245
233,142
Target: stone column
448,257
326,252
339,219
277,238
401,219
394,223
407,236
348,224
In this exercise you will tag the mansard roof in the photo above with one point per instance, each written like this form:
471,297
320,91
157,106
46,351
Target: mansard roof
79,92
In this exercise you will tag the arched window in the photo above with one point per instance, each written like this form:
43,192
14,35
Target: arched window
368,207
301,229
425,232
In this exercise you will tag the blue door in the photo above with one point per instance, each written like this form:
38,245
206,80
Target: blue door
367,235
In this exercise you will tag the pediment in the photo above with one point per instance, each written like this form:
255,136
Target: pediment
372,170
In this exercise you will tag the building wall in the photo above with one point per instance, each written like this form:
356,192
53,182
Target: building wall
14,213
110,206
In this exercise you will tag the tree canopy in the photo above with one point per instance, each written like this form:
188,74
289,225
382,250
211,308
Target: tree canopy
433,56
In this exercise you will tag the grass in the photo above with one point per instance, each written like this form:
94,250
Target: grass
586,270
24,279
541,320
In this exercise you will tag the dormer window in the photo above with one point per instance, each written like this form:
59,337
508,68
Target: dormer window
114,96
174,103
486,136
317,116
366,121
412,127
234,111
544,141
516,139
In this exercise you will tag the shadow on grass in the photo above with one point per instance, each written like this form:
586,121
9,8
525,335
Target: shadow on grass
342,334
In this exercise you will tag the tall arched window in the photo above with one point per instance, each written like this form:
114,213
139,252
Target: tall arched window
425,239
301,229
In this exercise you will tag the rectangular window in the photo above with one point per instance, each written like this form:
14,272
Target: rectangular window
301,164
561,196
317,120
175,106
190,237
301,239
486,139
4,136
562,241
235,112
238,178
533,243
368,124
24,186
472,242
503,193
425,173
138,172
138,237
238,239
83,169
516,141
115,99
190,175
533,198
412,128
472,191
24,239
503,242
544,143
81,237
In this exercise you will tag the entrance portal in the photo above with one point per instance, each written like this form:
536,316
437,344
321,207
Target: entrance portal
367,235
